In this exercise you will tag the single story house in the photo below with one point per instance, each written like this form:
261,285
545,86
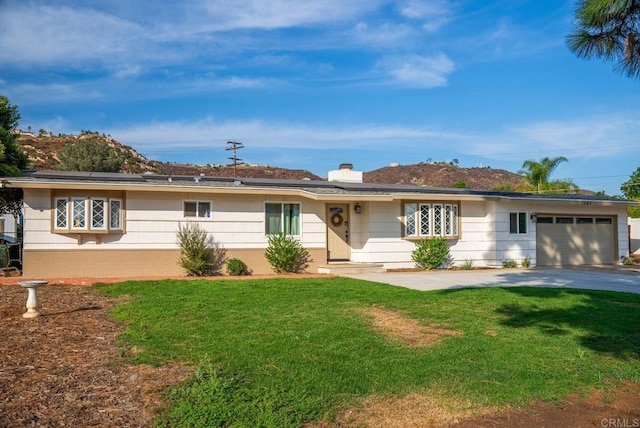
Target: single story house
103,224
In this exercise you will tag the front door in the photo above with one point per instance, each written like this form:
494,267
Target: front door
338,248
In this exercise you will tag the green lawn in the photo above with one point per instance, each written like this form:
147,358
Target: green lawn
281,352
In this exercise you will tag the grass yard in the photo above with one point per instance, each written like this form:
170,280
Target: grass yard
285,352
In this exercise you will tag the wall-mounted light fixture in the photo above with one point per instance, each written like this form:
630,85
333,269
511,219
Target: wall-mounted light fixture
534,217
357,208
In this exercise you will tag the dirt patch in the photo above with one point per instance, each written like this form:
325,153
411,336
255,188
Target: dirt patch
398,327
618,407
411,411
65,368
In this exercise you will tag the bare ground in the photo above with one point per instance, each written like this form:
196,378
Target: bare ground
65,368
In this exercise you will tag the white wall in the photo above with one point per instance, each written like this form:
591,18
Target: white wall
635,235
152,218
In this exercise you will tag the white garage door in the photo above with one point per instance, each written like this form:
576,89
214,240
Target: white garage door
575,240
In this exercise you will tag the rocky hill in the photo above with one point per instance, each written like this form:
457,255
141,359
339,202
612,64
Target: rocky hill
43,154
447,176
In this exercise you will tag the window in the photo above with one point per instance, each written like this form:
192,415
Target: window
517,223
584,220
61,220
197,209
87,214
98,213
564,220
282,218
115,214
545,220
603,220
79,214
431,219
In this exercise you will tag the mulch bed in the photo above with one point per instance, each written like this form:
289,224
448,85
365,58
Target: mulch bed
65,368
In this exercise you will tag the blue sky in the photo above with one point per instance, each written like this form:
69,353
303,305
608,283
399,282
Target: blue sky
311,84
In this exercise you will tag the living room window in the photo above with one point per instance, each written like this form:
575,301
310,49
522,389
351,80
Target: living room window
282,218
426,219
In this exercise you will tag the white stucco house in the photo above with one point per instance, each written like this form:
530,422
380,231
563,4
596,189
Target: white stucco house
100,224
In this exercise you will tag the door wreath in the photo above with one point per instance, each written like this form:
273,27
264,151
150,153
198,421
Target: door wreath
337,220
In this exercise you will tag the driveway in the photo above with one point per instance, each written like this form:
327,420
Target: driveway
610,280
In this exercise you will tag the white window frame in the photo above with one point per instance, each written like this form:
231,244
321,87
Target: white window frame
56,211
282,218
415,212
86,219
70,204
518,214
197,212
105,215
120,214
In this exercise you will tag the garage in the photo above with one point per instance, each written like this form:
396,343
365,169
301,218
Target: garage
565,240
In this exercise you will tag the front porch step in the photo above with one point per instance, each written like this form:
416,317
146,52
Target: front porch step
347,268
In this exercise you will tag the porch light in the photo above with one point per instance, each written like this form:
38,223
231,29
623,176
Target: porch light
357,208
534,217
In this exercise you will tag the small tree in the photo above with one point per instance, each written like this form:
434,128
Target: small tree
286,254
90,154
432,253
199,255
631,189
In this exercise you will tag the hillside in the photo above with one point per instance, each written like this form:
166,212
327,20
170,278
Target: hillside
446,175
43,155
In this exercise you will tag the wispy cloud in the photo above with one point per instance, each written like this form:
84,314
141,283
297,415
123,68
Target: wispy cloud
418,71
434,13
168,136
259,14
40,34
585,137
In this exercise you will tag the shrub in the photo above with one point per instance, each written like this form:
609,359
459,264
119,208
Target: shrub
286,254
628,261
236,267
467,265
526,262
510,264
431,253
199,255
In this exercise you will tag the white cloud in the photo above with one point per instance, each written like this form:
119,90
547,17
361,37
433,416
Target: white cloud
29,93
260,14
418,71
60,35
587,137
434,13
168,136
386,34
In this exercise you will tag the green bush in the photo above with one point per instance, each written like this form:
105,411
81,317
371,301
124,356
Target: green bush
199,255
432,253
510,264
467,265
633,212
286,254
526,262
236,267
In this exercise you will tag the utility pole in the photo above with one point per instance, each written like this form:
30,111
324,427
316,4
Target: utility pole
233,145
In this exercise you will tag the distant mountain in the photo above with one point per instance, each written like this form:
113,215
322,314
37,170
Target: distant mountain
43,151
445,175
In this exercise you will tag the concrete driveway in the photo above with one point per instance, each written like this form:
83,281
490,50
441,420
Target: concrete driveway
590,279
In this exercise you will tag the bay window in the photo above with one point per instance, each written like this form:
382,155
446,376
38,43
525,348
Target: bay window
87,214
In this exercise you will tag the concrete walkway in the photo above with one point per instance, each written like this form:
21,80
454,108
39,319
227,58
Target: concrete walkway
623,280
